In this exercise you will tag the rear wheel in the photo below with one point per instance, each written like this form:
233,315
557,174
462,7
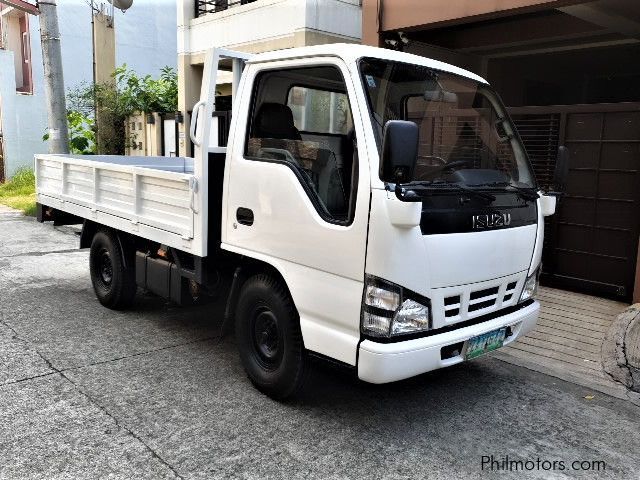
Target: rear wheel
269,338
113,282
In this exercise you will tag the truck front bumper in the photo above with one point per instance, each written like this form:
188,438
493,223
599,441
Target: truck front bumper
388,362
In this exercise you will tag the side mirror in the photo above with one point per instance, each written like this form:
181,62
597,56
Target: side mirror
399,151
562,169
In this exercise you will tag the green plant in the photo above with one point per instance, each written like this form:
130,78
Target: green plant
22,182
114,102
19,191
169,77
146,94
82,136
108,127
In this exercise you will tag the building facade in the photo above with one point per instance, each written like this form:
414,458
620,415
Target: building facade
145,41
568,71
253,26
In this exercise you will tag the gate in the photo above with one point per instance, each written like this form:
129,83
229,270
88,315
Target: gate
592,241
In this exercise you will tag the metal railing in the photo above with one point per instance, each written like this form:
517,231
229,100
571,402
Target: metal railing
204,7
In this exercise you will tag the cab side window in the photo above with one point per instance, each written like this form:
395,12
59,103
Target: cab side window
302,118
320,111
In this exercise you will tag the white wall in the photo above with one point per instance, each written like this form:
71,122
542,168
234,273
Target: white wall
145,40
24,117
266,20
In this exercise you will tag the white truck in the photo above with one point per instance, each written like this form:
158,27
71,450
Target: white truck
368,206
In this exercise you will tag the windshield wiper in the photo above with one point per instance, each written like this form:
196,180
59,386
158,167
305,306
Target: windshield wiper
526,193
445,186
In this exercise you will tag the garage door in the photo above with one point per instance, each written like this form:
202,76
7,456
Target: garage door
592,241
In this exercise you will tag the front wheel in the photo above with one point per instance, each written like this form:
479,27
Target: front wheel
114,282
269,338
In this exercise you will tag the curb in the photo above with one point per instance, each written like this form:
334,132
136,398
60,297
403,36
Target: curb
621,349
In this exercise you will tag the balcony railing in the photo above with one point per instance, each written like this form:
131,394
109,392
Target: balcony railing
203,7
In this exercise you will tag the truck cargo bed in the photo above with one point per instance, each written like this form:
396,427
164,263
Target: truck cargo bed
150,196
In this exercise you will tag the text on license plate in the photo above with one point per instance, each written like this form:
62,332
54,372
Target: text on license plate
484,343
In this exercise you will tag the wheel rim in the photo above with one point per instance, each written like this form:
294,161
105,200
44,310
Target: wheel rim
267,342
105,268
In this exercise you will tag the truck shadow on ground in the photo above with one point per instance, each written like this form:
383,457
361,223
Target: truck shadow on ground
333,387
482,383
332,384
164,372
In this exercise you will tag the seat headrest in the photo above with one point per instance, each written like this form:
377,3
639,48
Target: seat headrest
275,120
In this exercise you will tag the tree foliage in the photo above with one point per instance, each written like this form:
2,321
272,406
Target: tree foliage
114,102
82,135
146,94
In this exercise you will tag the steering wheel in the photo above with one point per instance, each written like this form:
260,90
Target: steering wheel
456,163
445,166
434,157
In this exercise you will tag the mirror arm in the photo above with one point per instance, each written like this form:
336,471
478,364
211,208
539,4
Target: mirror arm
395,188
401,194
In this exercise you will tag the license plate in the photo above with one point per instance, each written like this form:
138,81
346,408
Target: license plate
485,343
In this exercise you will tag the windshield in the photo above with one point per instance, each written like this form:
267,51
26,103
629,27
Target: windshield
466,136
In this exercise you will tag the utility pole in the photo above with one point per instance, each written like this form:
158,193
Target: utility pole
53,78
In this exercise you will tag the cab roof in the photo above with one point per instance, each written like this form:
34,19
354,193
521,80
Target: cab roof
351,52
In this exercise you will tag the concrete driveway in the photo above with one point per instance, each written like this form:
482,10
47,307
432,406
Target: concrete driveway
154,393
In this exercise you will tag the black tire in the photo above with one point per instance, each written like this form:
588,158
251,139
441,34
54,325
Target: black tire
113,282
269,337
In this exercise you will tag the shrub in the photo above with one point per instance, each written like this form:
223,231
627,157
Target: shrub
19,191
82,135
115,102
146,94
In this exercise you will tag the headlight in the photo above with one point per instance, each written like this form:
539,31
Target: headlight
388,310
412,317
380,297
530,286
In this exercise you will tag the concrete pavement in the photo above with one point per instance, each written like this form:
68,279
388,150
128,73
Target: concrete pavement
154,393
567,341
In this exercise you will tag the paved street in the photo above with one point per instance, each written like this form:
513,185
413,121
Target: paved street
154,393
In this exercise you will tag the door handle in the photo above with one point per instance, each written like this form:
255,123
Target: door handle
244,216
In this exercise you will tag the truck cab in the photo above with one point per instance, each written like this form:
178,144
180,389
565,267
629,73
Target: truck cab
369,206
